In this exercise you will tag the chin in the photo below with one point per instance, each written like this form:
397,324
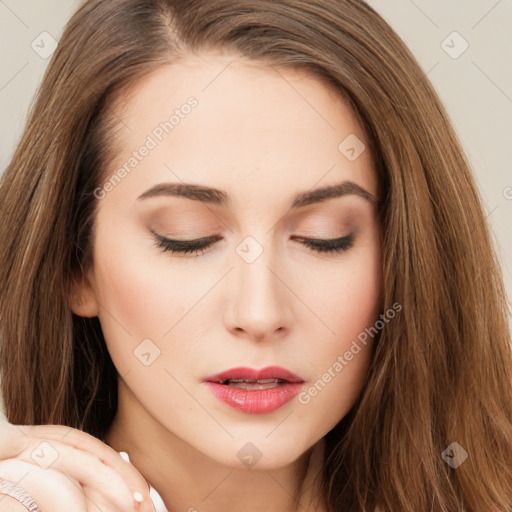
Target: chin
261,452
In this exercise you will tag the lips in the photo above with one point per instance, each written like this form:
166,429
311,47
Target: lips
263,376
255,391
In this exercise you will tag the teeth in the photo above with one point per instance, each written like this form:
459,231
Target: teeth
260,381
253,384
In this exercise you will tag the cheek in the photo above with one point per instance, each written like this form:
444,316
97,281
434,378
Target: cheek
137,286
350,315
349,306
346,295
360,304
137,302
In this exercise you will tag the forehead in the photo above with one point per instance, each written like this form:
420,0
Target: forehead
251,127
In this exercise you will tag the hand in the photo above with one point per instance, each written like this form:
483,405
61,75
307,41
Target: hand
65,469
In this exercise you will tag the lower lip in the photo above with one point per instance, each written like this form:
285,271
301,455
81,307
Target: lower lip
255,401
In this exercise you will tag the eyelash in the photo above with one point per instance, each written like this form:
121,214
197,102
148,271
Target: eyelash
335,245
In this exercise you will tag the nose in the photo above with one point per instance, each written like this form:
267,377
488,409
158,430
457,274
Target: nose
259,303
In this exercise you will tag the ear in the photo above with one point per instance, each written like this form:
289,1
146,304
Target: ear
82,297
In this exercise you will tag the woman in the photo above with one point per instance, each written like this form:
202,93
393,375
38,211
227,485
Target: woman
241,244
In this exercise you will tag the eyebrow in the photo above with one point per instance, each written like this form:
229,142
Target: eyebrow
220,198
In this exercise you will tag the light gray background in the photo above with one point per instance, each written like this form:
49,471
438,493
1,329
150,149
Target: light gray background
476,86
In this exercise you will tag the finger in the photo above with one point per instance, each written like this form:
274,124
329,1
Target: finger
90,444
86,468
12,440
51,490
55,491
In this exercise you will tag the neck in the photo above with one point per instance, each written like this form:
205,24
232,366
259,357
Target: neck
186,479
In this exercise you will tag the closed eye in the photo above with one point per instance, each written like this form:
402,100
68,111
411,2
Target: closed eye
331,245
198,246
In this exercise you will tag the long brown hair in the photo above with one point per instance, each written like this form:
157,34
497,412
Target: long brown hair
441,371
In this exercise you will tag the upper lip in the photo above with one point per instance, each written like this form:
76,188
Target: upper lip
250,374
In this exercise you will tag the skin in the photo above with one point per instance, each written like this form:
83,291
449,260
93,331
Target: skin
263,136
64,469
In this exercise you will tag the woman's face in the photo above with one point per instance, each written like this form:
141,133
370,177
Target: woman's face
257,144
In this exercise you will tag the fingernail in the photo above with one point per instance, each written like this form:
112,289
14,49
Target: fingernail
125,456
137,496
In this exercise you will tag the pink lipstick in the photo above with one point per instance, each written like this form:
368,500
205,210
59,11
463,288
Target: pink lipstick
255,391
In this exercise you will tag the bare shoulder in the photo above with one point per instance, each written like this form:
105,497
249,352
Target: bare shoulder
8,504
